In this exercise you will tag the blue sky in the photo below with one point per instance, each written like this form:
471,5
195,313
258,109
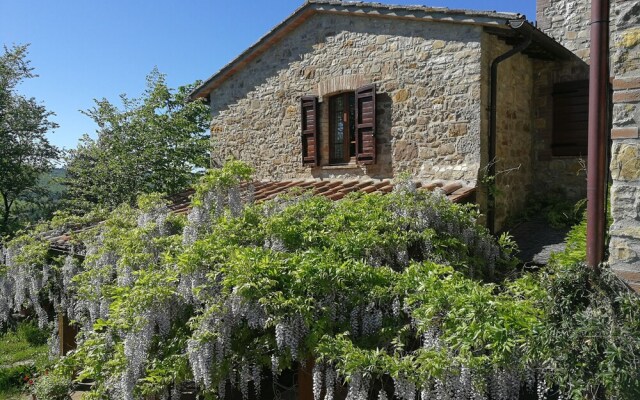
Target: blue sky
84,50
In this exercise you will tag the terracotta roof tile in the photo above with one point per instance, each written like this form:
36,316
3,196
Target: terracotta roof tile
451,187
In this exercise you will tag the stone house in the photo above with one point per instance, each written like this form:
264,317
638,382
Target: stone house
365,91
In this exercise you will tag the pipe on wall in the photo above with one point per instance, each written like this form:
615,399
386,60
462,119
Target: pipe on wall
491,167
597,131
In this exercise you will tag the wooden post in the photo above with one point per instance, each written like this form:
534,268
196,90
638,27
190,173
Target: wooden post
305,380
66,334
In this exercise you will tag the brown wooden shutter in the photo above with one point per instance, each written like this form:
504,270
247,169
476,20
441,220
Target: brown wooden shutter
366,124
570,118
309,108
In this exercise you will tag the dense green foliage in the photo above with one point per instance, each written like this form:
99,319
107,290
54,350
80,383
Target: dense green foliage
591,335
153,144
555,208
15,377
52,387
25,151
396,294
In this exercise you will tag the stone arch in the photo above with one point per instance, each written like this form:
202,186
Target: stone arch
339,84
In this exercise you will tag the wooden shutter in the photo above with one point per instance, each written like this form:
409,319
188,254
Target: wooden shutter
570,118
309,109
366,124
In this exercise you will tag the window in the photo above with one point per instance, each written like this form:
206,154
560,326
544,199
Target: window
570,118
351,130
342,128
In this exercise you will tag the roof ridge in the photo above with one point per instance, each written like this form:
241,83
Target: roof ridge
310,7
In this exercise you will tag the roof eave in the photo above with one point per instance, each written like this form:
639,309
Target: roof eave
275,34
549,44
483,18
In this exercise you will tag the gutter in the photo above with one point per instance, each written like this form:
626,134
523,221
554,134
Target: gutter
597,132
527,30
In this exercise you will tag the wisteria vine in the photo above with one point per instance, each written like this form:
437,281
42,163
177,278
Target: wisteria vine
397,296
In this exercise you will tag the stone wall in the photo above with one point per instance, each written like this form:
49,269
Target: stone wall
427,76
625,159
566,175
514,168
568,22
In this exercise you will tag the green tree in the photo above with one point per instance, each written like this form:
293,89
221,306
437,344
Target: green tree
25,152
155,143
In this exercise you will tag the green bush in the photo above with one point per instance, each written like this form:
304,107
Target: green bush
30,332
52,387
555,208
15,377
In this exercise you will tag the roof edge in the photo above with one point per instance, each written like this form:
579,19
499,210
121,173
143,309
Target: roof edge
200,91
310,7
544,40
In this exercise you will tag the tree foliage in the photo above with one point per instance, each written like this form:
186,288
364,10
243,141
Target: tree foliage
25,151
151,144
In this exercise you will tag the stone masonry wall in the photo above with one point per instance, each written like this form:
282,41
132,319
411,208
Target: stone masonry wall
568,22
427,76
514,167
566,175
625,159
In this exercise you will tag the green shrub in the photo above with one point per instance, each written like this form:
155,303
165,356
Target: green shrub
52,387
555,208
15,377
591,332
30,332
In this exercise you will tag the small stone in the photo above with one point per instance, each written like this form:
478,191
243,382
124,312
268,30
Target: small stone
630,38
620,251
309,72
629,231
421,92
401,95
458,129
625,164
446,149
405,150
438,44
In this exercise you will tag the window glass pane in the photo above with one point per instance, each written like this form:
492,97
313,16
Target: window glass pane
338,133
352,124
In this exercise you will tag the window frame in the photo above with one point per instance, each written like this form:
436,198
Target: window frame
349,134
361,124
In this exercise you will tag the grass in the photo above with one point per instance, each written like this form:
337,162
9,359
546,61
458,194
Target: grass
21,350
13,394
15,349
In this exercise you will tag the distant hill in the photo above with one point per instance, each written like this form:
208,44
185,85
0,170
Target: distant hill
49,181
